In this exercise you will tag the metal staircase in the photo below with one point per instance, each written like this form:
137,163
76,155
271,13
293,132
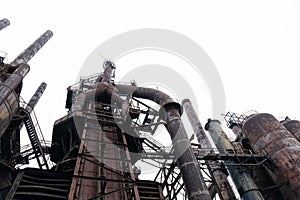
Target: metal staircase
35,184
149,190
153,144
35,141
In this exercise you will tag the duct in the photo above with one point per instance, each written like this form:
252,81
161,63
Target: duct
265,133
28,53
225,190
293,126
36,97
8,98
242,180
187,162
4,23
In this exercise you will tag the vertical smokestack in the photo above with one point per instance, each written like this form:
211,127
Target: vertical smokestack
197,127
4,23
242,180
32,49
225,190
36,97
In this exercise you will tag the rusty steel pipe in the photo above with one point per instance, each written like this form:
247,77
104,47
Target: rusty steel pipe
8,98
9,85
36,97
4,23
293,126
225,191
28,53
196,125
103,93
266,133
242,180
187,162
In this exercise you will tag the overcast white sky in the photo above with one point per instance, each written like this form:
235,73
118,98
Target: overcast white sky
255,46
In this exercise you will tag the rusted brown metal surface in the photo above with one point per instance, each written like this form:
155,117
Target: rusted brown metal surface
267,134
262,175
293,126
8,86
28,53
223,187
4,23
187,162
196,125
243,181
8,98
103,167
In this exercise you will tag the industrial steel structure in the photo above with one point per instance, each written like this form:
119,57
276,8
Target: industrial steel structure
96,148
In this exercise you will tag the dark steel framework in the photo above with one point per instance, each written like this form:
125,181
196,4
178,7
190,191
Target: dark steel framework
109,128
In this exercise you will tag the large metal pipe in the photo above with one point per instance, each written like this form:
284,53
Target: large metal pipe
224,189
266,133
196,125
9,85
8,98
28,53
293,126
4,23
242,180
36,97
170,111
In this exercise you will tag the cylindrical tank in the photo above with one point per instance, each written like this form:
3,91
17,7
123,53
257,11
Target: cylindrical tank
241,178
293,126
265,133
